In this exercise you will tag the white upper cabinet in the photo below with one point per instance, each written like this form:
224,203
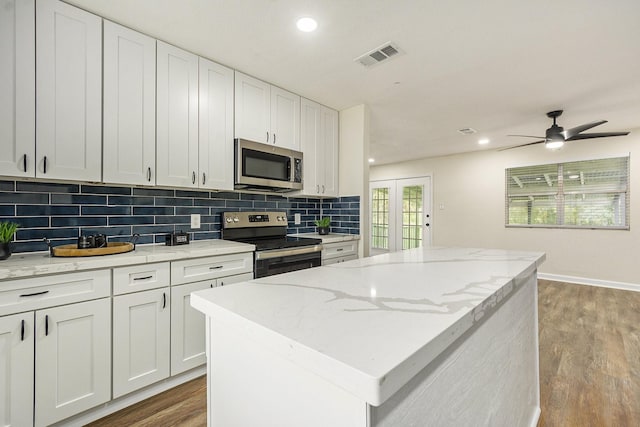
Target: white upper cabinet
129,120
69,92
266,113
17,87
252,109
319,142
285,118
216,126
176,117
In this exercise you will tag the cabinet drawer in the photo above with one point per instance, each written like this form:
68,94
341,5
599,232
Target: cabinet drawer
338,260
48,291
342,249
235,279
140,277
193,270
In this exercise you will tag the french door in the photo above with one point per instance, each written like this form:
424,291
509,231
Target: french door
400,214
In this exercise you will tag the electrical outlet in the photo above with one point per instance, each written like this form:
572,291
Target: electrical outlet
195,220
296,218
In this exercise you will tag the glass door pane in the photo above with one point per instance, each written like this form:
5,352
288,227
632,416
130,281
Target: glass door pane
412,216
380,218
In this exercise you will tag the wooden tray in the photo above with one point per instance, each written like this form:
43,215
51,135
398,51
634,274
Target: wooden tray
110,249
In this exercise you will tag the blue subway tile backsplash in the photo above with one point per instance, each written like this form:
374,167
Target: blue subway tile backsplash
62,212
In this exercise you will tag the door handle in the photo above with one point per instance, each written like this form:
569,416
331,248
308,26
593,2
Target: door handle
267,136
204,178
274,138
24,162
45,164
46,325
193,177
149,174
22,330
164,300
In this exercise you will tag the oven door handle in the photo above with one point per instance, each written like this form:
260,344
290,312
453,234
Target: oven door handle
275,253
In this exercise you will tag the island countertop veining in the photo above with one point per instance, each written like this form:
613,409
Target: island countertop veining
370,325
36,264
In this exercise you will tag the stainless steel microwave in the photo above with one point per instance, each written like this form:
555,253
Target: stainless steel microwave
266,167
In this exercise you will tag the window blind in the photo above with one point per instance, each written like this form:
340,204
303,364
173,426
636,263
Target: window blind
583,194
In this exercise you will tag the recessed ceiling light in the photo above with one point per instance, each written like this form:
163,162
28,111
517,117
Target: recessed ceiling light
574,176
371,160
483,141
306,24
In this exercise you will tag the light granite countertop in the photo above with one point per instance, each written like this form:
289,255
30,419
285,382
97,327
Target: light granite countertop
330,238
371,324
36,264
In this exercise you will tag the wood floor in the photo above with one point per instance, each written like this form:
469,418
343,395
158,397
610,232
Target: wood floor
589,365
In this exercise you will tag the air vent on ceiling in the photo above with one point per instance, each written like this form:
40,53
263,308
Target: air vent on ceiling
467,131
379,54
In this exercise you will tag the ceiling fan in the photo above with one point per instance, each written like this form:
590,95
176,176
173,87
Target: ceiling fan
556,136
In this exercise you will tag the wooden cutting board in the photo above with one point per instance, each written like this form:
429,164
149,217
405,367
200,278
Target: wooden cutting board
110,249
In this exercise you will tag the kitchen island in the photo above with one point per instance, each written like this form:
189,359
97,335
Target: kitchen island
424,337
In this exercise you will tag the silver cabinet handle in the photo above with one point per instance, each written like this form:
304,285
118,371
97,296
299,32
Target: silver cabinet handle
322,188
204,178
317,188
267,136
149,174
193,177
274,138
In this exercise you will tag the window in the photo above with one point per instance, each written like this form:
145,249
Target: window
380,218
585,194
411,217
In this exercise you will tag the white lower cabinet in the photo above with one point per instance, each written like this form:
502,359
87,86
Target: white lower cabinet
140,339
16,369
72,359
333,253
188,324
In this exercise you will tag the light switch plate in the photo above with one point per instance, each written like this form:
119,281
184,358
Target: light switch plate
296,218
195,220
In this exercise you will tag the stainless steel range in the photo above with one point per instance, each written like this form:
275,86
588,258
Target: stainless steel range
275,251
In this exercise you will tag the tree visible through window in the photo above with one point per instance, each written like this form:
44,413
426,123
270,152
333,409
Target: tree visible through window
585,194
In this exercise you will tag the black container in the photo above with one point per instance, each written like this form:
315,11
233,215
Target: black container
85,242
99,241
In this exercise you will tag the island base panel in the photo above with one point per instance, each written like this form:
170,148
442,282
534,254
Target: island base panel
488,377
253,386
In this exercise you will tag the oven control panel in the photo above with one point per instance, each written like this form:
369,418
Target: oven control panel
253,219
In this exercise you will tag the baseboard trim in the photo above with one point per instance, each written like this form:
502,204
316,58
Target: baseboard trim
591,282
132,398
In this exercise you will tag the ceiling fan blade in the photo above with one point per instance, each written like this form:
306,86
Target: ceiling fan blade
569,133
596,135
522,145
528,136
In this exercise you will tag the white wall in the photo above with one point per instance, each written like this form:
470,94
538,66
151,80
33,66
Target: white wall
472,189
354,164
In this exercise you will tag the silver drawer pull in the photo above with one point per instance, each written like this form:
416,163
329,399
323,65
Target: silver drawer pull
34,294
142,278
217,267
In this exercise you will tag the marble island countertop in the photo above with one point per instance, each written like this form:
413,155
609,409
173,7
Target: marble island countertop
35,264
370,325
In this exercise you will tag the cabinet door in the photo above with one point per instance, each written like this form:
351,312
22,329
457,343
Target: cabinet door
310,139
216,126
17,87
187,328
73,359
285,118
177,117
129,106
252,109
69,92
140,340
328,153
16,370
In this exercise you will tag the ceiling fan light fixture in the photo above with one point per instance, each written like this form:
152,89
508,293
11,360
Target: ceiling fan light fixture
554,144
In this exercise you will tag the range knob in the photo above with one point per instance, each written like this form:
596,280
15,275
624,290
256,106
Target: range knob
236,219
228,219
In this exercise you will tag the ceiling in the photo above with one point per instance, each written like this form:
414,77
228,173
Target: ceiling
496,65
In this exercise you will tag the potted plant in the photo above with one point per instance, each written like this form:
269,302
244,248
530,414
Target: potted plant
7,230
323,225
